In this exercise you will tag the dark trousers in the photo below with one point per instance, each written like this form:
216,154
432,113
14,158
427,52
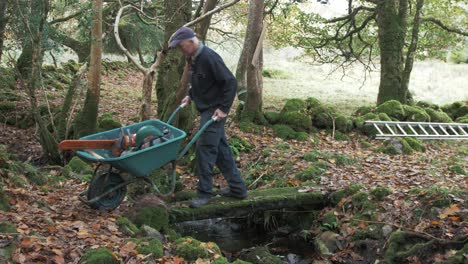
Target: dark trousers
213,148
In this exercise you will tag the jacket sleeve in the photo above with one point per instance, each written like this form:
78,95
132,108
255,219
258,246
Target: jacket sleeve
226,80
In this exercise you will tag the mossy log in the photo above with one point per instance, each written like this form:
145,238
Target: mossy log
258,200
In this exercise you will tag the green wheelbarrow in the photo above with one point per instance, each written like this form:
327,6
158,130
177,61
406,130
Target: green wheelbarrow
107,190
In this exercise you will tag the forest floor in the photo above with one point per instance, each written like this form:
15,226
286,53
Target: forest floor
426,197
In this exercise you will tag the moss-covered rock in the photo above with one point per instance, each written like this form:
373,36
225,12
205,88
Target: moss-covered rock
77,166
155,217
272,117
322,116
396,146
462,119
312,102
191,249
153,246
380,192
284,131
294,105
362,110
438,116
98,256
451,109
392,108
462,111
6,227
415,144
261,255
369,232
343,123
108,122
360,124
171,234
425,104
296,120
416,114
384,117
126,226
338,195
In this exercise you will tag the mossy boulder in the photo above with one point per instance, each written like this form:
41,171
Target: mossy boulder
6,227
322,116
294,105
126,226
153,246
261,255
272,117
360,124
343,123
416,114
425,104
297,120
312,102
155,217
191,249
108,122
392,108
462,111
77,166
462,119
98,256
338,195
438,116
380,192
284,131
364,110
451,109
396,146
384,117
415,144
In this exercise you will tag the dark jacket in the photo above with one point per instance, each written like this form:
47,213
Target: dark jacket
213,84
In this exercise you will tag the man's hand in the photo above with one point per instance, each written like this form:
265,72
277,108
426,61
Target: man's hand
219,114
186,100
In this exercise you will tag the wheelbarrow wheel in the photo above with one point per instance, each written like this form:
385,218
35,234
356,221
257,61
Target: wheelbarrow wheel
102,184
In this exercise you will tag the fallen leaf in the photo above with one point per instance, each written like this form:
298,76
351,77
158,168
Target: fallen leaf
453,209
58,259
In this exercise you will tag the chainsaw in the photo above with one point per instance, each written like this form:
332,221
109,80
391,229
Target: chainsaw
126,142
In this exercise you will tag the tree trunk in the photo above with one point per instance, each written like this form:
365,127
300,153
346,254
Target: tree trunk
87,120
3,22
169,90
412,49
254,59
46,139
391,21
202,27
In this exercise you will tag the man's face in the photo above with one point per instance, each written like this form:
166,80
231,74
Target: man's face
187,47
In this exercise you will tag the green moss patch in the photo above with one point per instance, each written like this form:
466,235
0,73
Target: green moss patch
380,193
77,166
294,105
416,114
191,249
297,120
98,256
438,116
284,131
155,217
6,227
153,246
392,108
108,122
261,255
272,117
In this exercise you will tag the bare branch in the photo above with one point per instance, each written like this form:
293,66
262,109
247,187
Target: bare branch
199,9
351,15
271,9
444,27
119,42
63,19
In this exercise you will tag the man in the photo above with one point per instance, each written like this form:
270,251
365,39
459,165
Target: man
213,88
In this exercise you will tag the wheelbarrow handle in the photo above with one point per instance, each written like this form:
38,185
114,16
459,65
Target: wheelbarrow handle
171,118
197,135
